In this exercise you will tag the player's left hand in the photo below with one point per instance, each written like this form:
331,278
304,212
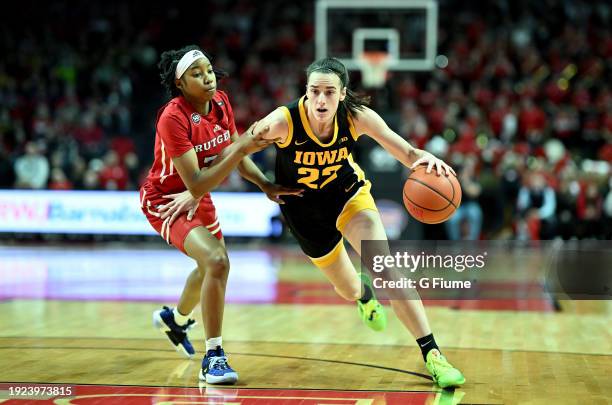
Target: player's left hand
274,191
431,161
179,203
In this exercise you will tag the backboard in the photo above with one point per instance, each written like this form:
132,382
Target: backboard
405,29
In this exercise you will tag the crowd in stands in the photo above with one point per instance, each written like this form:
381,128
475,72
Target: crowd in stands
522,109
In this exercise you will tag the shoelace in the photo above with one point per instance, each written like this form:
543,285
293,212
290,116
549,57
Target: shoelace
218,363
190,323
439,363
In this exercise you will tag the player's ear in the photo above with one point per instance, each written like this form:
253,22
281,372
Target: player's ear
178,83
343,94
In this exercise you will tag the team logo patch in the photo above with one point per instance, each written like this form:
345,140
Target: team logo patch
218,130
195,118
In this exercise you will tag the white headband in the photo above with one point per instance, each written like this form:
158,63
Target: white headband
186,61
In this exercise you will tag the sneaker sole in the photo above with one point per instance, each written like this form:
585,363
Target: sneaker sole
160,325
452,384
229,378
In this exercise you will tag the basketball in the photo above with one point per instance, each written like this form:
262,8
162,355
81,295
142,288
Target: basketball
430,198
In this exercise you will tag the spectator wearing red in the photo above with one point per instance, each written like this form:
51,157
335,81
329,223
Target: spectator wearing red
89,134
532,119
589,209
58,180
114,175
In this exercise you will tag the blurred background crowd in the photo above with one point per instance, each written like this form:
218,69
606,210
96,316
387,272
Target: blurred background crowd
520,103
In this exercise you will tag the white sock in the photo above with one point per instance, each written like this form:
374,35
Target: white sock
179,318
212,343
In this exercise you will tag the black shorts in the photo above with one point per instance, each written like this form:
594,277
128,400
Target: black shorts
317,218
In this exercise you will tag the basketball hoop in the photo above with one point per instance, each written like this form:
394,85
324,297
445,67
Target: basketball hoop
373,65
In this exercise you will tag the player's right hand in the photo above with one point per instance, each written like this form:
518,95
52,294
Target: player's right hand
253,141
178,204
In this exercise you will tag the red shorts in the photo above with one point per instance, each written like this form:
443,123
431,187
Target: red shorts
176,233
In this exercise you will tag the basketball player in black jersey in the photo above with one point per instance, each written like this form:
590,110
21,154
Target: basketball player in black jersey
317,134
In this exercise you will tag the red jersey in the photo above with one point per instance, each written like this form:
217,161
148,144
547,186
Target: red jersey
180,128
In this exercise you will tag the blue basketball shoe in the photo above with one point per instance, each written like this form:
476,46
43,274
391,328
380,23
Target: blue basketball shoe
215,369
163,320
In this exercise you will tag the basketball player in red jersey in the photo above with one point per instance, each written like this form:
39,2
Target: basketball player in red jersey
196,148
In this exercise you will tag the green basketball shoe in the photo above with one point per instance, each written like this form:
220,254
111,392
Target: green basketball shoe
372,313
443,373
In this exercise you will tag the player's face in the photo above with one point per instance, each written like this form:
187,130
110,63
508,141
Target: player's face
199,81
324,92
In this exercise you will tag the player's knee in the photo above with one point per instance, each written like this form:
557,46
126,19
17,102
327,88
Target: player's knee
217,263
364,221
200,272
351,293
368,220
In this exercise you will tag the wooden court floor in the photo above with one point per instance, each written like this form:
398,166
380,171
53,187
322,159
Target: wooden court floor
82,317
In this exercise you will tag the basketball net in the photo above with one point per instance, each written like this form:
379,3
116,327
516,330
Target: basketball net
373,65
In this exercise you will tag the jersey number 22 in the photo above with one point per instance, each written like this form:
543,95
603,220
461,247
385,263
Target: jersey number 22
312,175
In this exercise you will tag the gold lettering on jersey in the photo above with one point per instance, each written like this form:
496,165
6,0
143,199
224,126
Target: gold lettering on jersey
321,158
317,178
309,158
326,158
298,156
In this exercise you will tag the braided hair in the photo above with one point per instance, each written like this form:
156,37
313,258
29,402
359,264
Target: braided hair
167,68
353,102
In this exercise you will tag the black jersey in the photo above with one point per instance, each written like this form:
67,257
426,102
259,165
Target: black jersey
334,184
304,161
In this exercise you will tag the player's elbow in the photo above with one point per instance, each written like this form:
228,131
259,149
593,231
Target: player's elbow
274,125
242,166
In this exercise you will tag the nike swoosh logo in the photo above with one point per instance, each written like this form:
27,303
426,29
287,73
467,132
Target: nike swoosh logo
300,143
425,344
349,189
